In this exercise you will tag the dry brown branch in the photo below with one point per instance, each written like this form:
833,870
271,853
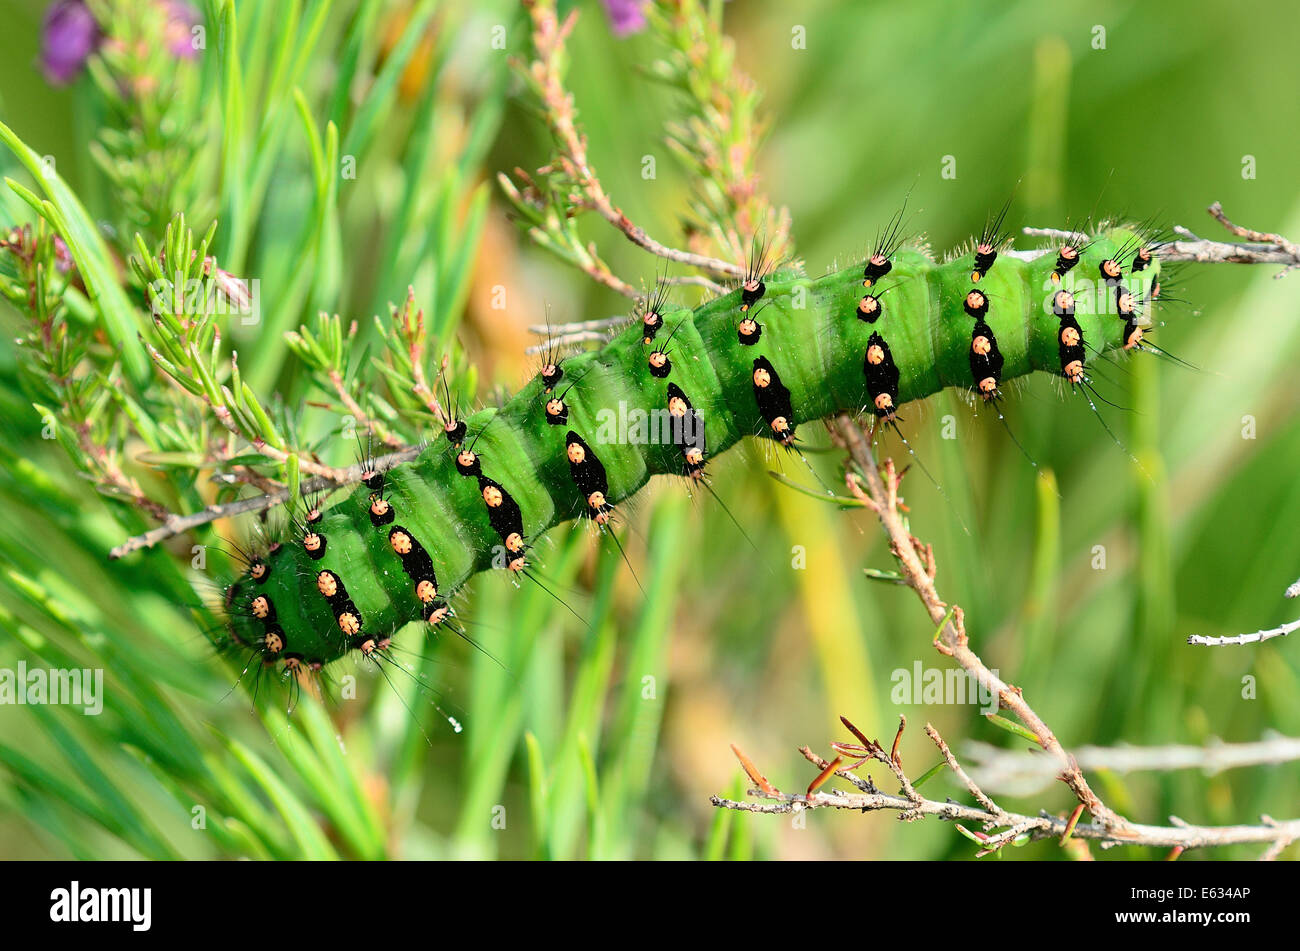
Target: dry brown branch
911,805
1260,237
364,420
112,480
546,73
1258,637
1021,772
918,568
178,524
567,340
877,488
975,790
1263,247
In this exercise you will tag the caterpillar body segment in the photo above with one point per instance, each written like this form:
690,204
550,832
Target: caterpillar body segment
940,328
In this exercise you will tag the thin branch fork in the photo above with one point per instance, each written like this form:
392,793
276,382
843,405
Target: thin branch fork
179,524
910,805
1258,637
918,568
549,36
1014,770
1261,248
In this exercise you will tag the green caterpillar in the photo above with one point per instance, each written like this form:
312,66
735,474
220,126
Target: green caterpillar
662,398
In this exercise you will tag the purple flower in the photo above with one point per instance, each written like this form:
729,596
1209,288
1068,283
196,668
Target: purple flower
69,35
181,20
62,256
625,16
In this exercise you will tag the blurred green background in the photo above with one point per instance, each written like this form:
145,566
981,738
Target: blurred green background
566,752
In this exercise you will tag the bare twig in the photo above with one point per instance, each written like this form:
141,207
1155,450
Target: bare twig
1022,772
1258,637
566,340
1265,247
975,790
1262,237
546,72
1277,848
577,326
918,568
1056,234
911,805
876,486
178,524
364,419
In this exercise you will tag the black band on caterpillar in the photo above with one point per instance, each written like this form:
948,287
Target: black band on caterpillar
507,519
415,562
1072,352
1066,259
687,431
335,593
882,376
557,411
985,360
589,476
773,400
870,309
